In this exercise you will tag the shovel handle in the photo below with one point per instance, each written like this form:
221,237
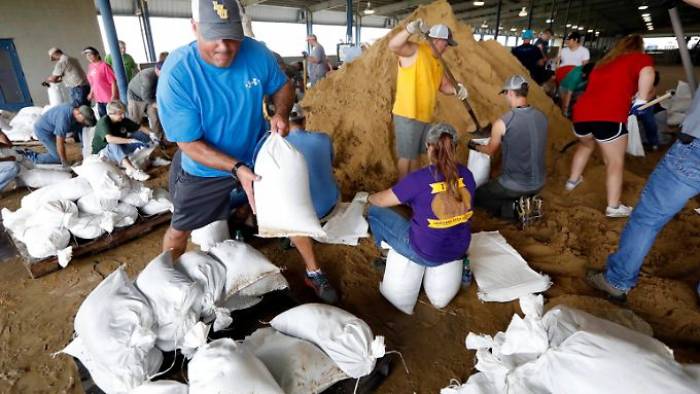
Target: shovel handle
659,99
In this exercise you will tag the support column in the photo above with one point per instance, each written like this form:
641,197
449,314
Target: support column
498,18
348,12
309,27
117,62
551,15
529,15
683,49
149,33
358,27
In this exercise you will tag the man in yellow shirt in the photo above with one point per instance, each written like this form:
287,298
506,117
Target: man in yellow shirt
419,78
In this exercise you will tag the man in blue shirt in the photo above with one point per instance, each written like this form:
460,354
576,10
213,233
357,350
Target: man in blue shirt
210,94
317,149
51,130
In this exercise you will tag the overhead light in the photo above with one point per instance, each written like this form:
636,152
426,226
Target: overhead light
568,25
597,33
484,25
646,14
523,12
574,27
478,3
369,10
646,18
580,27
550,21
643,7
590,30
650,28
513,29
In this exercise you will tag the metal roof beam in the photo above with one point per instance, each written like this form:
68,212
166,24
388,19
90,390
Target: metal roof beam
248,3
400,6
327,5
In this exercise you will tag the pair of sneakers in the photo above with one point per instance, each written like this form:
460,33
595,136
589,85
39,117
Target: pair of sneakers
620,211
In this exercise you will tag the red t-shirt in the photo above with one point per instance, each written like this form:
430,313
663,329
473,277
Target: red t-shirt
608,96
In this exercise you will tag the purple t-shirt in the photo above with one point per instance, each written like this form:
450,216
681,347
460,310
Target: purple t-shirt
441,226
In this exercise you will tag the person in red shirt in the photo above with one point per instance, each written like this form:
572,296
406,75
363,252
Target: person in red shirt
600,115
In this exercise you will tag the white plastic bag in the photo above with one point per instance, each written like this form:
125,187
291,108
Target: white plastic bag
174,298
500,272
87,226
211,234
298,366
634,139
22,125
46,241
480,166
58,94
39,177
107,181
71,189
115,338
344,337
283,172
125,215
159,203
347,225
222,366
246,269
94,205
16,221
57,213
211,277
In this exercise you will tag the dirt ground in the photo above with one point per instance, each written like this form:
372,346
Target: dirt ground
36,316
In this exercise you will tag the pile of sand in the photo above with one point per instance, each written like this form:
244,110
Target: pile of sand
354,104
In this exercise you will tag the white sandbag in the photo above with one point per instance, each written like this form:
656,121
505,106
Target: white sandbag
107,181
222,366
57,213
298,366
22,125
46,241
94,205
246,266
283,172
344,337
211,234
442,283
58,94
159,203
500,272
634,139
87,226
71,189
125,215
161,387
38,177
678,105
480,166
210,275
401,282
174,298
347,224
138,194
86,137
115,337
140,158
16,221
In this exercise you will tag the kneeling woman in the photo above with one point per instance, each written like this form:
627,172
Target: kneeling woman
434,242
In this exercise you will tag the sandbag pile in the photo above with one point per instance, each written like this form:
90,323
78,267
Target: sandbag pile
96,202
570,351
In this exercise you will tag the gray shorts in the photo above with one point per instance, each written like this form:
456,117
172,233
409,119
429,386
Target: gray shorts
410,137
197,201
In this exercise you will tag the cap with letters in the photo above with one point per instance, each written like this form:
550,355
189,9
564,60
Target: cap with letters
218,19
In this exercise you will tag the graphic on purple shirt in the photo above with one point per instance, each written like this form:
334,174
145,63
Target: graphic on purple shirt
441,226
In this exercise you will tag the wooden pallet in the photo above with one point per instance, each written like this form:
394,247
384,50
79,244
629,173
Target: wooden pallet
40,267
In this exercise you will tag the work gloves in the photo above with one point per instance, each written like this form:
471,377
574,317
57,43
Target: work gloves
636,107
461,92
417,26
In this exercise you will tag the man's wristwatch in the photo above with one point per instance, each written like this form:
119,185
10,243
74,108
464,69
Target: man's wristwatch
235,168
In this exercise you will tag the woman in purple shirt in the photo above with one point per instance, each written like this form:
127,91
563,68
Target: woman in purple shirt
440,196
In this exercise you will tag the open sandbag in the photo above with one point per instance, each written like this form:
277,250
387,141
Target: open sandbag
222,366
344,337
40,177
159,203
298,366
115,335
282,195
210,275
347,224
248,272
107,181
58,94
480,166
500,272
174,297
71,189
211,234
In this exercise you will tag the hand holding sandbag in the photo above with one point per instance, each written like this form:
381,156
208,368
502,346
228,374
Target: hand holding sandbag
279,125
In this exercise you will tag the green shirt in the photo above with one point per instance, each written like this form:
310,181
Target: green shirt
129,65
105,126
573,82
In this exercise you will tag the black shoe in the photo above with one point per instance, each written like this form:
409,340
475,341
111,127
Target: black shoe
323,289
379,264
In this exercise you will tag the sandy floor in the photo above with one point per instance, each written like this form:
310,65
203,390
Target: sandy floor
36,316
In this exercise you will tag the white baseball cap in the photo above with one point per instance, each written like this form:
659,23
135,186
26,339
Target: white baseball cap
443,32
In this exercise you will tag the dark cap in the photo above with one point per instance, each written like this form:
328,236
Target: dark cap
92,50
437,130
218,19
88,114
574,35
296,113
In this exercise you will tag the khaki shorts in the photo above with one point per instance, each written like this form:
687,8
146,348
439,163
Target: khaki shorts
410,137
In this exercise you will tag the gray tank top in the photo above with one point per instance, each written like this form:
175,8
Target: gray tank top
523,150
691,123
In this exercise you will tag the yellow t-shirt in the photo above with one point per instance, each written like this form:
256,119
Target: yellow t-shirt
417,86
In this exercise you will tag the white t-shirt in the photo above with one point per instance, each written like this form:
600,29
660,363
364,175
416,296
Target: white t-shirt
574,58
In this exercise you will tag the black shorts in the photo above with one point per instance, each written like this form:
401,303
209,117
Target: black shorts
602,131
197,201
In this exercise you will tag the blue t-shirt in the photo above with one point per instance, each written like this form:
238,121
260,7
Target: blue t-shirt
220,106
441,226
317,149
58,121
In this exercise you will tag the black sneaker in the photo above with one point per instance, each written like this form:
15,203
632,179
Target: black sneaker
597,280
466,273
323,289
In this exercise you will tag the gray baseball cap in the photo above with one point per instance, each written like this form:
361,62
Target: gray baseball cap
296,113
437,130
513,82
218,19
444,32
88,114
